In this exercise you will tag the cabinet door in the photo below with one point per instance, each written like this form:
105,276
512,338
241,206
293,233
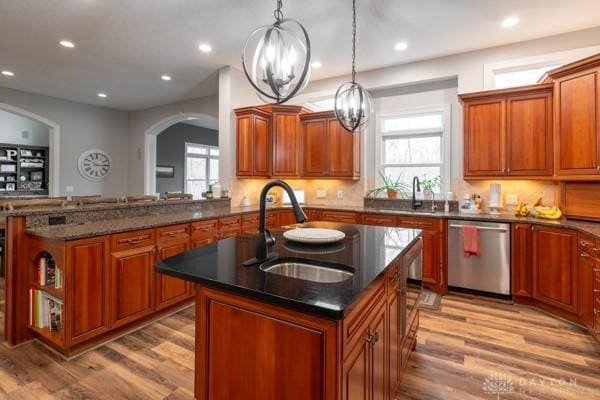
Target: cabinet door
262,146
314,148
356,371
88,282
171,290
585,289
431,264
484,136
577,124
379,367
529,135
341,146
244,145
286,218
132,284
555,267
286,145
522,260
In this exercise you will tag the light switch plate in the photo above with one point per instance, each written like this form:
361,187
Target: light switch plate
512,199
321,193
69,189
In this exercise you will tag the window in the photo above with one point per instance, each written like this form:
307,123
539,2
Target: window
413,144
201,168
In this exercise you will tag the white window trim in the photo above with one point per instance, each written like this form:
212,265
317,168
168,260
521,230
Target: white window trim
556,58
207,156
445,109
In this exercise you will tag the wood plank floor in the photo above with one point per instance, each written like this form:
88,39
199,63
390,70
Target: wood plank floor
459,346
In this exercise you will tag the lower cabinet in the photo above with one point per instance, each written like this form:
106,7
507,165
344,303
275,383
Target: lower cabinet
586,265
522,260
132,284
87,276
170,290
555,267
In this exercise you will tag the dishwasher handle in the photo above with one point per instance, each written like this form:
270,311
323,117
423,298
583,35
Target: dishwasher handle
482,228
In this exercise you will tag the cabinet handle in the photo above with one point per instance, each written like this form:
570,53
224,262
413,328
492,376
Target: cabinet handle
376,338
584,255
370,339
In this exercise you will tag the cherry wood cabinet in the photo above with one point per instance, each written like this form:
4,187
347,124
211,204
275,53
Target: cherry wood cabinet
555,267
522,260
171,290
87,277
132,284
286,140
230,227
253,142
339,216
329,151
586,265
286,217
508,132
203,232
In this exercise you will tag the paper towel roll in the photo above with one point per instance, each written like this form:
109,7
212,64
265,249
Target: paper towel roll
495,195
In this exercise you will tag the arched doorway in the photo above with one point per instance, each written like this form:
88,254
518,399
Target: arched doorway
54,140
150,142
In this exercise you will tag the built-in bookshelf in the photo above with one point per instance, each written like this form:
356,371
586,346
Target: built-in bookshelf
46,298
23,170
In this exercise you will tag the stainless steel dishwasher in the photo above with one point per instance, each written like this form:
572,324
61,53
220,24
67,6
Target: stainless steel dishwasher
488,272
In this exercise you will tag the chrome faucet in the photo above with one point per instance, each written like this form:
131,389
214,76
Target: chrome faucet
416,204
265,239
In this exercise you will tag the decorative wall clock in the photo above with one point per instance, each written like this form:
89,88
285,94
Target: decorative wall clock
94,165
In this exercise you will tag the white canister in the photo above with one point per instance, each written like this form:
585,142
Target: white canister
217,190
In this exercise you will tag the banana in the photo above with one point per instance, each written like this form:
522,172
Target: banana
522,210
548,212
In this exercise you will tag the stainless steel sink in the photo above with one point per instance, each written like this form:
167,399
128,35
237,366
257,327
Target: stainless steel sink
308,270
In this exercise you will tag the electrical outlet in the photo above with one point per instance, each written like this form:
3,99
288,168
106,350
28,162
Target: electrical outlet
321,193
340,194
512,199
69,189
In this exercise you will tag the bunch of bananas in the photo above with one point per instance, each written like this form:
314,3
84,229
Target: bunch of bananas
538,210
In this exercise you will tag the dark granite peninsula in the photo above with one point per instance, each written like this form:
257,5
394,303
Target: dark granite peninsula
268,335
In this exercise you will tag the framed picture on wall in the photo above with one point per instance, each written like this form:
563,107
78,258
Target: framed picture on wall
10,187
165,171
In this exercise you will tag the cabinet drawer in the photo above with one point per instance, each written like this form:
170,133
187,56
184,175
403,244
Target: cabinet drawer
272,219
205,229
250,223
417,222
200,241
173,232
132,240
339,216
379,220
588,244
355,324
230,227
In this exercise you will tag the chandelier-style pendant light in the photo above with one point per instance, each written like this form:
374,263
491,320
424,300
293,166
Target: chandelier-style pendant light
279,59
353,104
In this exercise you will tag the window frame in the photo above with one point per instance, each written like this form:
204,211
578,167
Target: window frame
206,156
446,133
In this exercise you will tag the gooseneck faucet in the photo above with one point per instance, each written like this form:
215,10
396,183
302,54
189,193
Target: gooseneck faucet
265,239
416,204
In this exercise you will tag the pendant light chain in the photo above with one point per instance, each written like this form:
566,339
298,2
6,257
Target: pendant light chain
278,13
353,41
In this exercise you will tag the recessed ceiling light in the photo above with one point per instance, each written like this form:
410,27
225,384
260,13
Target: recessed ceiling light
67,43
165,78
510,22
401,46
205,48
102,95
316,64
8,73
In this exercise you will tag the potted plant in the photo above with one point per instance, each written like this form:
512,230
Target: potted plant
391,187
429,186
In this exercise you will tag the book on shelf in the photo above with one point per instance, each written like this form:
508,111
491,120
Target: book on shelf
45,311
48,274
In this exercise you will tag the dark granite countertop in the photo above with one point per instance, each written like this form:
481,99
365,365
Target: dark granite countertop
368,250
97,228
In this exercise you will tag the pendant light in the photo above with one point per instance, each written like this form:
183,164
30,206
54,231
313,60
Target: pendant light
276,59
353,104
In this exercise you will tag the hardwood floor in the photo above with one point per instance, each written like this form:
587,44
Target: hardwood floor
471,346
458,347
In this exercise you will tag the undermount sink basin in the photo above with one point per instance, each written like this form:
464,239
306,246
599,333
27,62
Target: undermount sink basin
308,270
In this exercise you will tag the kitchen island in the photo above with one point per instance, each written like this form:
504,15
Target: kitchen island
341,335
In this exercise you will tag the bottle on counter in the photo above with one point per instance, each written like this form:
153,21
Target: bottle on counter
217,190
209,193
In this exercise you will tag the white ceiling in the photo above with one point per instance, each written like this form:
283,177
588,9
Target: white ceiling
123,47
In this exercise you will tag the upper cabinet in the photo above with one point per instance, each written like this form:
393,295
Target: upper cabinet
508,133
253,142
577,119
282,141
329,151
